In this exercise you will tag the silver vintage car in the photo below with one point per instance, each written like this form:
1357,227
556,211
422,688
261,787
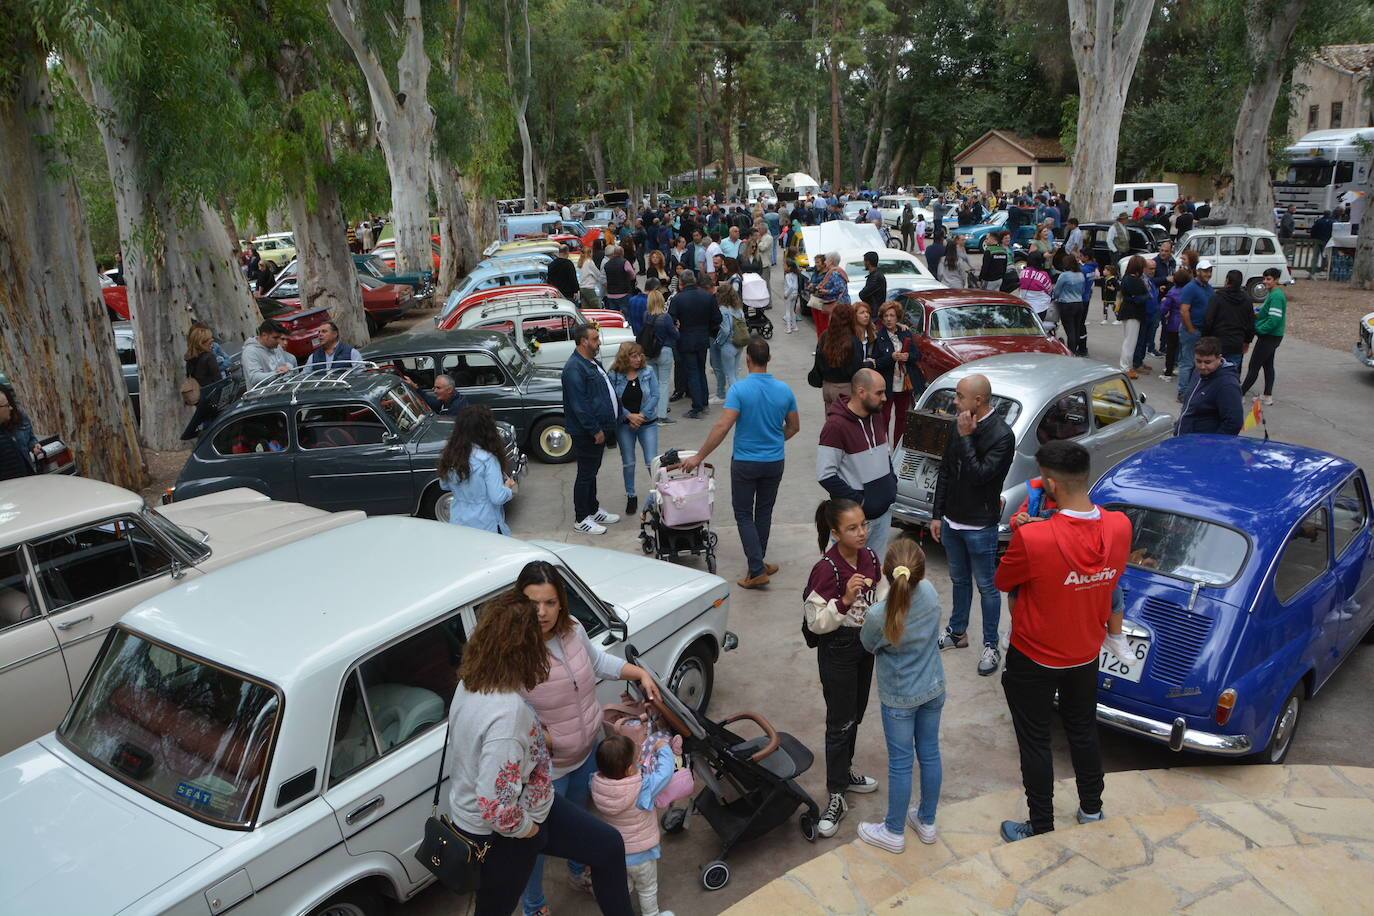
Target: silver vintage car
1042,397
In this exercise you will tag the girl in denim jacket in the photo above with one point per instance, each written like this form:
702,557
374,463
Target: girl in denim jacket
903,631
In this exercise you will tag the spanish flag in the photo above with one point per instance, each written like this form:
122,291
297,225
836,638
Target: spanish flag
1255,418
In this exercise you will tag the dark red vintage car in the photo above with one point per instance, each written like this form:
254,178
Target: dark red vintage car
382,302
956,326
302,325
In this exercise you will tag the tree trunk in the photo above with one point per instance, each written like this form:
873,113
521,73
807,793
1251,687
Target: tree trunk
596,155
813,155
882,159
1269,31
55,340
226,214
727,159
177,265
834,104
944,172
460,247
1362,275
1105,57
700,146
328,278
405,127
519,85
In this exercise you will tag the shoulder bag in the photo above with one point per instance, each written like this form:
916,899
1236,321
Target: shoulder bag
448,854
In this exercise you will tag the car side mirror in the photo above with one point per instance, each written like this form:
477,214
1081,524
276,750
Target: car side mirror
1141,397
620,622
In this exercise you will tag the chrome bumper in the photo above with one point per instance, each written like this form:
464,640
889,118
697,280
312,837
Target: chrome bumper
909,514
1177,735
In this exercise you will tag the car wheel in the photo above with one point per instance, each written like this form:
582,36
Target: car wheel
437,504
693,677
353,901
1256,289
373,325
1285,727
551,442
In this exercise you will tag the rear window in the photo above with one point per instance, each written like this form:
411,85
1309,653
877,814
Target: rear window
942,401
192,735
988,320
1185,547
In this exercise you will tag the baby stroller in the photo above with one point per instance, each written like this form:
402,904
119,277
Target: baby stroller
757,298
676,518
748,785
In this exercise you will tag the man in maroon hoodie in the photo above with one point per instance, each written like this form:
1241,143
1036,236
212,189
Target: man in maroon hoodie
1064,570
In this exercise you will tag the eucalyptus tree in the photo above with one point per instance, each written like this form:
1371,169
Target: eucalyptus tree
55,341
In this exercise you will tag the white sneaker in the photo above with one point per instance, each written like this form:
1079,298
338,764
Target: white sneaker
589,526
1268,400
878,835
833,814
1103,321
605,518
717,399
924,832
1116,321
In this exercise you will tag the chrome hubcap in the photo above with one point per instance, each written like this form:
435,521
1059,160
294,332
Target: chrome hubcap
443,507
556,441
688,683
1283,732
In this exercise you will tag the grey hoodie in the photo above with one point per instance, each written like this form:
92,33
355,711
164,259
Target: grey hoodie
260,363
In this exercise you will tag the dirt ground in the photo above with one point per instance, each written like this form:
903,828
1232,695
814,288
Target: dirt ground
1327,314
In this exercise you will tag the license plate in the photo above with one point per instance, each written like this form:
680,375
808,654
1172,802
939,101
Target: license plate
1127,669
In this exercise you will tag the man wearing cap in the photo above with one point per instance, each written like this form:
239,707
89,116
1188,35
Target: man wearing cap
1193,303
1119,238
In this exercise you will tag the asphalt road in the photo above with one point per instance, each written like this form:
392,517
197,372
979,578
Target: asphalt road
1323,399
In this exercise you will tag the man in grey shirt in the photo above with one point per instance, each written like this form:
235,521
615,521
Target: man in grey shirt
263,356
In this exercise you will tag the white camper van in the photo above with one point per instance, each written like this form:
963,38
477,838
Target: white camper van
758,189
1322,166
797,184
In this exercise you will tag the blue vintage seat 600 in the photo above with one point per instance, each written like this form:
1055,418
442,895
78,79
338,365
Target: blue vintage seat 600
1251,579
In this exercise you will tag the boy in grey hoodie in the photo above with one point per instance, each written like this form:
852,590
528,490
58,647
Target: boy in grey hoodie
263,356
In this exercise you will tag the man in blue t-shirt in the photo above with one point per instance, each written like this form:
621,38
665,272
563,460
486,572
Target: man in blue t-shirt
1194,301
763,411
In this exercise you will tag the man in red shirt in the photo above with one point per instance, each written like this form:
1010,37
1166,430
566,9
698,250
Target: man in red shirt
1063,570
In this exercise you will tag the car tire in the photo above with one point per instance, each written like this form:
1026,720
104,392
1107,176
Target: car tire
353,901
373,325
1255,288
693,677
436,504
1285,727
551,442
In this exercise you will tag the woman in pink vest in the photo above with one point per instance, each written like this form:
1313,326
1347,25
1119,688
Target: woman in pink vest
566,704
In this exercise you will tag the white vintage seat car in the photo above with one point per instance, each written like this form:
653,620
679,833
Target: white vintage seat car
265,739
76,554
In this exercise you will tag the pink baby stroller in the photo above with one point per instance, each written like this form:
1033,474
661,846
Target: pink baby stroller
676,518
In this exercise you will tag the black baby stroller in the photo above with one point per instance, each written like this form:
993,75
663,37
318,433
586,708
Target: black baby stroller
757,298
746,786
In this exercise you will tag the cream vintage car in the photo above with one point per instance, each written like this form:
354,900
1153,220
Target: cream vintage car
76,554
267,743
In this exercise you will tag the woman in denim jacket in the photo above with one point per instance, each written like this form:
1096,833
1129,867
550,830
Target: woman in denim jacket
636,389
903,632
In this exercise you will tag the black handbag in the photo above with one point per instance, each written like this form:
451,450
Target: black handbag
449,855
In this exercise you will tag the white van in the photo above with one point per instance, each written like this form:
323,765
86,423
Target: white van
797,185
1126,196
758,189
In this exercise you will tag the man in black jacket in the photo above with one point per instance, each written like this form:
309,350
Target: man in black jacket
1231,319
13,462
698,319
563,275
1213,402
875,285
967,510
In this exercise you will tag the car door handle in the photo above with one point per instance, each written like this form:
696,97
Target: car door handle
68,624
364,809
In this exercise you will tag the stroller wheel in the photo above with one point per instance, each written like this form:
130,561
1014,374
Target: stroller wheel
715,875
808,826
711,562
673,820
648,545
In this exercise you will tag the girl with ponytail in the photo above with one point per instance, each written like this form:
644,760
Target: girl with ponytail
844,583
903,631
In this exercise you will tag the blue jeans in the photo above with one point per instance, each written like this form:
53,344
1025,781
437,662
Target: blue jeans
972,555
729,364
663,368
576,787
912,733
1186,341
647,437
1145,339
879,533
718,367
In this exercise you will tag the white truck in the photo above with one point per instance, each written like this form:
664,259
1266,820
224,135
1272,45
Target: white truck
1322,166
758,189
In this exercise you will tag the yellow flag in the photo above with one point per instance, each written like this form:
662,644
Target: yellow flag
1254,418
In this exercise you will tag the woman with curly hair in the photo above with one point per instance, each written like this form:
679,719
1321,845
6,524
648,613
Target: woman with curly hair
565,702
472,467
501,791
839,353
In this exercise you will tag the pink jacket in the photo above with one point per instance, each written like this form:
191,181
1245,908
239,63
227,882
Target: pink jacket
566,704
615,799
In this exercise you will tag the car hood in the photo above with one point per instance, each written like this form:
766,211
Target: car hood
71,845
971,348
632,582
242,522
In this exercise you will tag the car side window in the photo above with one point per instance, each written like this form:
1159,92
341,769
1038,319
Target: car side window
16,602
354,745
408,687
419,369
1143,194
1349,514
548,329
472,370
91,561
1067,418
1235,244
1112,401
1304,556
1119,196
1264,246
1206,247
339,426
916,317
580,607
252,434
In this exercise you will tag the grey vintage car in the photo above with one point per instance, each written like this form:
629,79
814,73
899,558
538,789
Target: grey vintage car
1042,397
488,368
347,438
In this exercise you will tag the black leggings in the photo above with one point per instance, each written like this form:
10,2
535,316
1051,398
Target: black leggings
568,831
1262,357
846,671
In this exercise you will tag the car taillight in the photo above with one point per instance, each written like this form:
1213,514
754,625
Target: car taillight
1225,704
168,495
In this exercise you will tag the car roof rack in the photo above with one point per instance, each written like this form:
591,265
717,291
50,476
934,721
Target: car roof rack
311,378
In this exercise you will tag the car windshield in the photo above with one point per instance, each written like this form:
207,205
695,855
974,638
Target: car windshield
886,267
989,320
272,309
404,407
1309,176
514,358
286,288
1185,547
192,735
192,543
373,266
942,401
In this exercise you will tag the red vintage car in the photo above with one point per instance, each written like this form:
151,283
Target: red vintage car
382,302
605,318
956,326
302,325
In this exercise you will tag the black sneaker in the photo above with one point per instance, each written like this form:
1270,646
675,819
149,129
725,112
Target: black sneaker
632,505
952,640
861,784
677,397
833,814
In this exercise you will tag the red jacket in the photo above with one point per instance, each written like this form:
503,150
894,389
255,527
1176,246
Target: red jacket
1065,569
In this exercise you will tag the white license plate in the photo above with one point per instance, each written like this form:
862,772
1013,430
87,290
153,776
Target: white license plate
929,475
1127,669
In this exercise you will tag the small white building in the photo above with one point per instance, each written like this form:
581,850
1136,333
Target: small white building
1331,91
